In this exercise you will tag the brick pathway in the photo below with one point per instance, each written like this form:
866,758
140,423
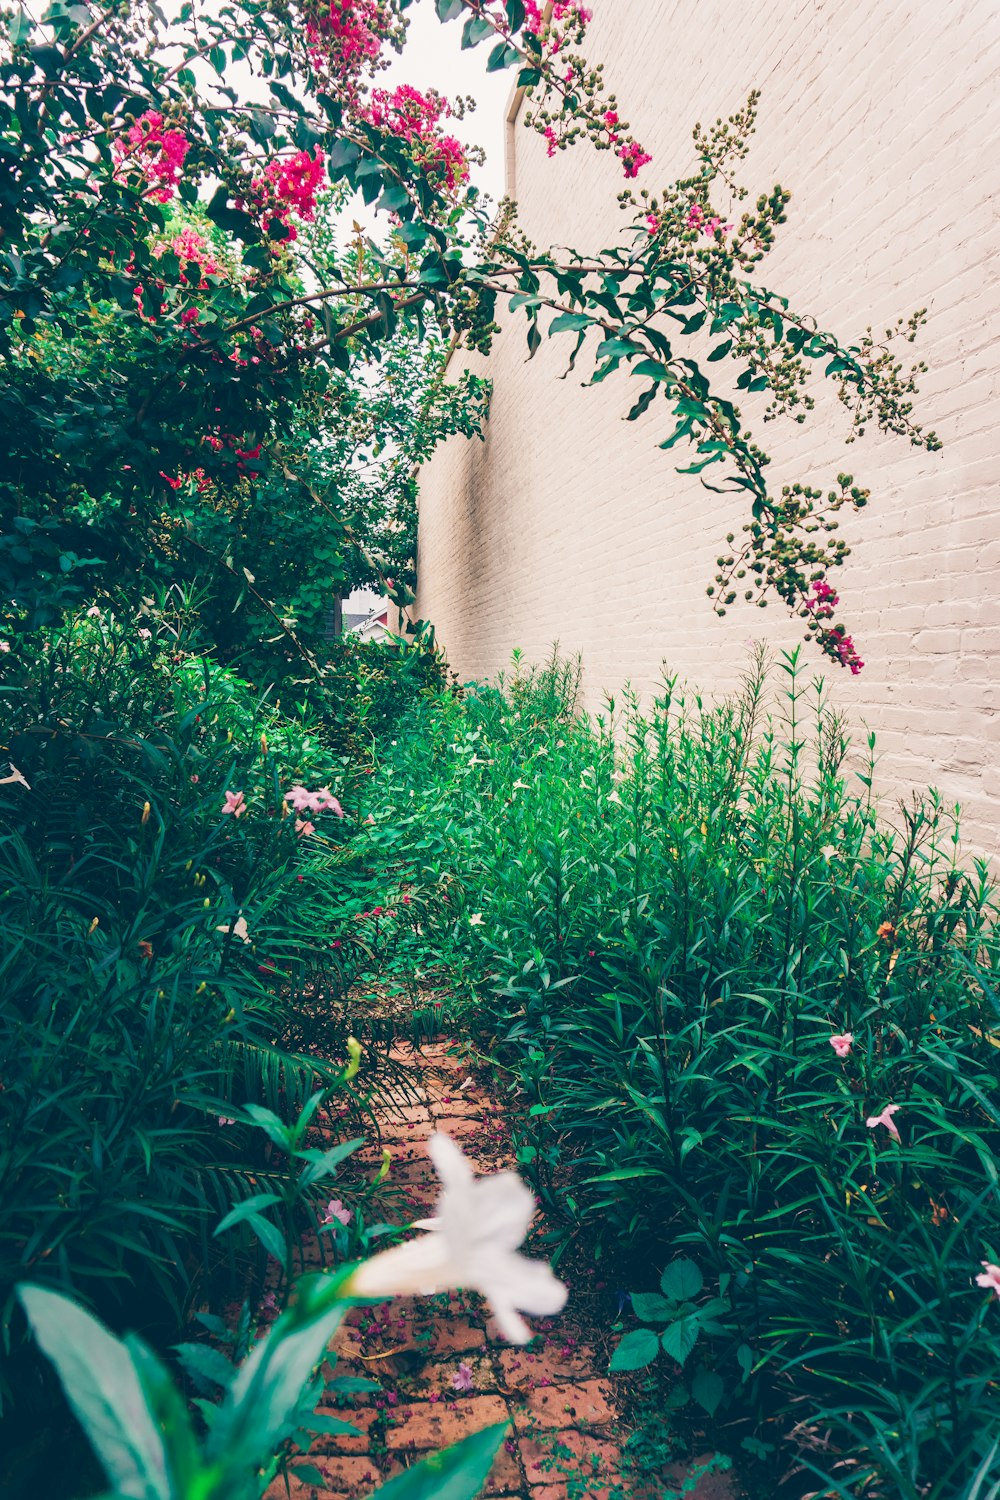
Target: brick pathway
442,1370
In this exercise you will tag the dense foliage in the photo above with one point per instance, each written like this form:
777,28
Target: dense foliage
181,919
188,346
751,1021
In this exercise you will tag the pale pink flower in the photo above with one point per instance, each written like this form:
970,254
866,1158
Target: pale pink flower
335,1210
304,828
299,798
462,1379
234,803
225,1120
989,1277
15,777
885,1118
842,1044
144,635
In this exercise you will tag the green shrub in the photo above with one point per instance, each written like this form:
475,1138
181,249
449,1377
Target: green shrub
668,917
163,964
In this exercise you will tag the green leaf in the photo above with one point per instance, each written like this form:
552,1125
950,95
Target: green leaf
642,404
623,1174
680,1338
720,351
708,1389
271,1238
652,1308
681,1280
19,27
477,29
571,321
245,1209
448,9
458,1473
271,1125
104,1390
502,56
207,1363
636,1350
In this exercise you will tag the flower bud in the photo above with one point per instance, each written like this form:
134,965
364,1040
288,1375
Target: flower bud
353,1058
146,810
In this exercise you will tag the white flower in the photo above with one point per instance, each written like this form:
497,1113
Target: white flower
476,920
237,928
614,797
15,776
473,1243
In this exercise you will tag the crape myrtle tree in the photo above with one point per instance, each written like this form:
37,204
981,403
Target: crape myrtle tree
188,361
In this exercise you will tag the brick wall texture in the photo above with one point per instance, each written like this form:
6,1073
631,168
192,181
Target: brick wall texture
569,525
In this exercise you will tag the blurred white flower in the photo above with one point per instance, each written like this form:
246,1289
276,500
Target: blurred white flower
614,797
15,776
472,1242
476,920
237,928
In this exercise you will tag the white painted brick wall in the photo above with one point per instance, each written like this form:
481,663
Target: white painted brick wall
567,524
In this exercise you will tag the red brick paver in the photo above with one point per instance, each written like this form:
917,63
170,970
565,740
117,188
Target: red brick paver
565,1437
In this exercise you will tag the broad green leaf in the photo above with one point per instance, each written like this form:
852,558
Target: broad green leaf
458,1473
261,1407
681,1280
636,1350
270,1124
708,1389
573,321
652,1308
104,1390
680,1338
720,351
271,1238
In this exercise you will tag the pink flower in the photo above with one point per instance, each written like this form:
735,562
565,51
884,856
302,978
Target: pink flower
235,804
335,1211
158,153
989,1277
842,1045
633,157
225,1120
304,828
885,1118
462,1379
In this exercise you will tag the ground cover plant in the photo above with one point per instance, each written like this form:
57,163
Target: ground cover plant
751,1020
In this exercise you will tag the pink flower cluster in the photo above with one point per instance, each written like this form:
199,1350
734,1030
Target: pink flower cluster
632,157
415,118
192,248
707,223
322,800
290,187
561,10
823,600
344,37
629,153
843,646
157,152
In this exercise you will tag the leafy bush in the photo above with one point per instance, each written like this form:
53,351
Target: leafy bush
670,918
167,966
